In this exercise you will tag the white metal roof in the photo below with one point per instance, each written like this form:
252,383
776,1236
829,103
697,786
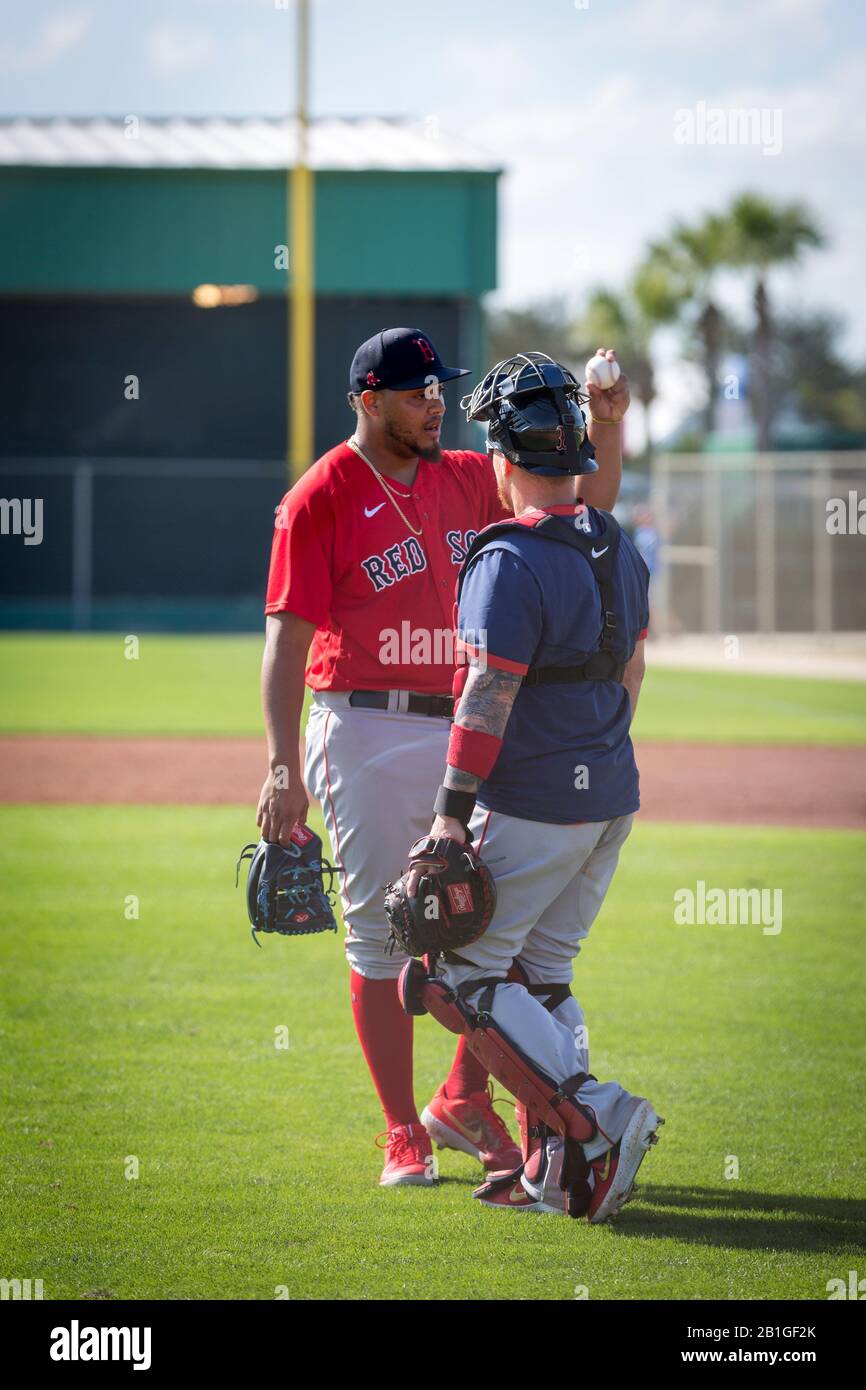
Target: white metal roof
253,142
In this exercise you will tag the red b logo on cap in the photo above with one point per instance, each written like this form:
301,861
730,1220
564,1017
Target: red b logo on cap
426,350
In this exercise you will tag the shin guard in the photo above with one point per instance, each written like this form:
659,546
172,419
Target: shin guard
553,1104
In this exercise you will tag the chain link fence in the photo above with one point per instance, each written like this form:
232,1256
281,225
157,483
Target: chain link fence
756,543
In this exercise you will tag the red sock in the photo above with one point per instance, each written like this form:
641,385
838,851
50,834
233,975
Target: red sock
385,1033
467,1074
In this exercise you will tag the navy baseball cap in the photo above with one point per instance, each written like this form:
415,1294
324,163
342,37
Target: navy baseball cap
398,359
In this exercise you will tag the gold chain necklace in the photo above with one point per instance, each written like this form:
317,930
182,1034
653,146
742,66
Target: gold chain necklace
390,492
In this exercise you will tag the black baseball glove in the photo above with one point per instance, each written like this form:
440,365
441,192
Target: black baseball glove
453,904
289,890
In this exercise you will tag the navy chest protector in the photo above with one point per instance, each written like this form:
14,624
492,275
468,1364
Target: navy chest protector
600,552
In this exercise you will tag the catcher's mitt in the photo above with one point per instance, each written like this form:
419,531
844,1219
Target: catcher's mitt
289,890
454,902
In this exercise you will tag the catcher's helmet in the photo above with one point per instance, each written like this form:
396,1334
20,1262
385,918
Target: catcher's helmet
531,406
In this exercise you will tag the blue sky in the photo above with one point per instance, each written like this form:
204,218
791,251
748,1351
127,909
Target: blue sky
576,99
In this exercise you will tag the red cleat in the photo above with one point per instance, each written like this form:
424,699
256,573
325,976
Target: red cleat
409,1157
612,1175
473,1127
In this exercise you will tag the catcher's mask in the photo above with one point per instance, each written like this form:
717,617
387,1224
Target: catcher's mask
531,406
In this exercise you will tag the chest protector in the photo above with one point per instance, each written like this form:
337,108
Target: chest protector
600,552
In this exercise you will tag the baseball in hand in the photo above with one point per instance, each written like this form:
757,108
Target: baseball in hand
603,372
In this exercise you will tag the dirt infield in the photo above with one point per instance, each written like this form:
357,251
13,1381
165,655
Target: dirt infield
795,786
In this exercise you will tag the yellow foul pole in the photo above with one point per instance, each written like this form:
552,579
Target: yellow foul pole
302,295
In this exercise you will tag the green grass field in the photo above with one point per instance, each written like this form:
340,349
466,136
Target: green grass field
150,1042
209,685
153,1039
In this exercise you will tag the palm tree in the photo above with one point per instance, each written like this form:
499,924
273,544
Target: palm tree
692,257
761,235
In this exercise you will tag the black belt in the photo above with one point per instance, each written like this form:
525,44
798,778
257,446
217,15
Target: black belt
601,666
440,706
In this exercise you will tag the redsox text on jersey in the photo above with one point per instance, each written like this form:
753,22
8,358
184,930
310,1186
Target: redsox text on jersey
365,554
541,776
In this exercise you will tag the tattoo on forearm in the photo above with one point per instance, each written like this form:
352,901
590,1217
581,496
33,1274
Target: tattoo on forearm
459,781
487,700
485,705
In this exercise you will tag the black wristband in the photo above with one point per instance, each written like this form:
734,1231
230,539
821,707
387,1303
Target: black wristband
460,805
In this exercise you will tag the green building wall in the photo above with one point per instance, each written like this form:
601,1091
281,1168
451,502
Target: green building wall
159,510
158,231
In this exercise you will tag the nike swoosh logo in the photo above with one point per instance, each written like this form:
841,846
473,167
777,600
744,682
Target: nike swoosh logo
519,1194
474,1136
596,553
371,511
605,1173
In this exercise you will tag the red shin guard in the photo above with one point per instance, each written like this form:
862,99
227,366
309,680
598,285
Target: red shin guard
422,993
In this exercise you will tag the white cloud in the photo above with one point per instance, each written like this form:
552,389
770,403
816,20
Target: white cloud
63,31
589,183
608,171
175,48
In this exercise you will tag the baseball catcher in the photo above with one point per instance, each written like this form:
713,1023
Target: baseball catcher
540,773
289,889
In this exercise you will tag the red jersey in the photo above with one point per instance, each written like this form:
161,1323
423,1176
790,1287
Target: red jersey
380,590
